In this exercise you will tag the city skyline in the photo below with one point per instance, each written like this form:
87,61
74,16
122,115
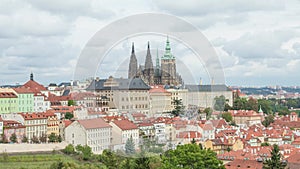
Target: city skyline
257,45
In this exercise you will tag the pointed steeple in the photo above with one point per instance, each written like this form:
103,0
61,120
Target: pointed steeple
260,109
132,71
132,50
148,61
168,54
157,66
31,76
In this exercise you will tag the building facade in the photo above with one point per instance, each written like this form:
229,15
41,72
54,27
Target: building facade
95,133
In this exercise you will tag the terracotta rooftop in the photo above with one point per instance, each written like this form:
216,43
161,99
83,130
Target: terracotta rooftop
125,124
8,95
34,86
243,164
93,123
33,116
22,90
189,134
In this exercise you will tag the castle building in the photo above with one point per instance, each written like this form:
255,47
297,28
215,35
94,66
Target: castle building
162,74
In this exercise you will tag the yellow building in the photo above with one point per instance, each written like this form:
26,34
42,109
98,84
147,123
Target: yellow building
52,123
219,146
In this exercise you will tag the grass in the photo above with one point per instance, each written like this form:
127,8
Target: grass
32,161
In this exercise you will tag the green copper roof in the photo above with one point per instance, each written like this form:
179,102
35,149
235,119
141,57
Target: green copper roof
168,54
260,110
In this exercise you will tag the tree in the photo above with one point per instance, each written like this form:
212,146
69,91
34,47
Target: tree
208,111
129,146
4,138
59,138
219,103
13,138
43,138
268,120
85,152
227,116
71,103
179,108
190,156
251,104
69,115
275,161
110,159
239,104
69,149
52,138
265,144
265,106
24,139
35,139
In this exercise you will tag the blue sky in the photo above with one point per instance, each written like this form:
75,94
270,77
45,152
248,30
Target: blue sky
257,42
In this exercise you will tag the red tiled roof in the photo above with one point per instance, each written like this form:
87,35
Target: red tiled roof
22,90
243,164
67,122
33,116
145,124
34,86
125,124
158,89
8,95
93,123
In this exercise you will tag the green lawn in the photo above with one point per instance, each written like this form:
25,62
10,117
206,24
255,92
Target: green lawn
31,161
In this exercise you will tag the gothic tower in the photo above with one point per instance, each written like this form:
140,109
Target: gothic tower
132,72
149,71
168,66
157,76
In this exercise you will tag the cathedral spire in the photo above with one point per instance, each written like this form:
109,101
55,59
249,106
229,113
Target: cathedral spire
148,61
157,66
168,54
132,50
132,72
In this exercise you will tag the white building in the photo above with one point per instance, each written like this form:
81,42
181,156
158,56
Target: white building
40,104
122,130
160,100
160,132
95,133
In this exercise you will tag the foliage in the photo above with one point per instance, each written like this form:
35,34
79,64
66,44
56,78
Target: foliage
268,120
265,144
179,108
275,161
35,139
129,146
54,138
43,138
71,103
69,115
219,103
85,152
239,104
110,159
24,139
69,149
13,138
227,116
190,156
208,111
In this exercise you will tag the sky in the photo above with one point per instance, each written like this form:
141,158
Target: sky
257,42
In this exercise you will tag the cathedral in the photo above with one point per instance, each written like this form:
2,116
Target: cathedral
162,74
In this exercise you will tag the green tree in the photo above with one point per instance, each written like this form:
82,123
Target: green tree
239,103
268,120
59,139
24,139
208,111
13,138
227,116
190,156
52,138
69,149
265,106
219,103
179,108
265,144
251,104
84,151
129,146
71,103
69,115
110,159
275,161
